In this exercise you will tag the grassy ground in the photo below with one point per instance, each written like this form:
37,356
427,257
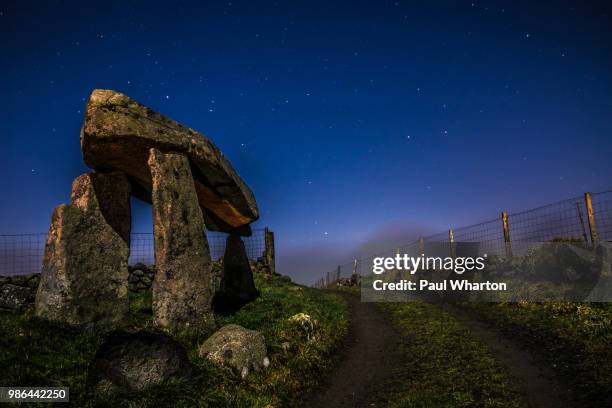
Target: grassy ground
36,353
575,338
445,366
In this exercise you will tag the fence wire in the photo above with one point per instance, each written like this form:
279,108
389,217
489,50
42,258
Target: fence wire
602,206
565,220
22,254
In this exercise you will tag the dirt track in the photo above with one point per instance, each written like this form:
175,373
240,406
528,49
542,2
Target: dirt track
534,381
370,359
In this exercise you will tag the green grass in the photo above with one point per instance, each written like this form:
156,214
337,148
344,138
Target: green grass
445,366
575,338
37,353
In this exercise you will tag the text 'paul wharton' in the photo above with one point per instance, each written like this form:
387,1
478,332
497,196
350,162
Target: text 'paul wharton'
425,285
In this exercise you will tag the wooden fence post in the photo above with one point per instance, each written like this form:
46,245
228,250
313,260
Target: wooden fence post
355,267
421,246
269,255
451,239
338,274
584,234
588,200
506,228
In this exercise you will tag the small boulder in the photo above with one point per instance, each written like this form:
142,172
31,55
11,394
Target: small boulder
306,323
604,258
559,263
240,349
602,291
132,362
13,296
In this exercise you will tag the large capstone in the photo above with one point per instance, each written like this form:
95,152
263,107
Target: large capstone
84,273
132,362
118,133
239,349
183,286
237,285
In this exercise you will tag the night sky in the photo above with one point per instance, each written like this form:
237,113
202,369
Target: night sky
351,121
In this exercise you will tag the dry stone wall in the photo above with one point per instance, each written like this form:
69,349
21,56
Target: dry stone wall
18,292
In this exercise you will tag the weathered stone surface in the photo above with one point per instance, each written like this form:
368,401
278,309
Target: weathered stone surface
107,194
84,274
129,362
183,285
561,263
602,291
237,285
604,258
234,346
13,296
118,133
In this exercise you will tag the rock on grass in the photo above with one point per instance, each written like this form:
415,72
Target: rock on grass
131,362
240,349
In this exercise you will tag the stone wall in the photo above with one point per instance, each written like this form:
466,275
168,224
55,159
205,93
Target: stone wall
260,266
19,291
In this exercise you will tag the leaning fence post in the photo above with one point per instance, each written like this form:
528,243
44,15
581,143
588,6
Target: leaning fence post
338,274
451,240
506,228
584,234
588,200
355,267
269,256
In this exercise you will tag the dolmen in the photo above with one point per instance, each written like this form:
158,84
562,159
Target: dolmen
192,188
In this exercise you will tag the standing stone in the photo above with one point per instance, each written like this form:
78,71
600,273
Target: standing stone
183,285
84,276
237,285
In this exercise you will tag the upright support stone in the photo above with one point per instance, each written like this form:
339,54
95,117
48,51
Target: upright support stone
183,286
84,277
237,285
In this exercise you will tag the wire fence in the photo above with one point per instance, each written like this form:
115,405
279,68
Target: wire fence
585,218
22,254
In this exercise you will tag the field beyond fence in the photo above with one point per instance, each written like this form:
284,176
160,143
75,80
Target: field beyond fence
22,254
586,218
